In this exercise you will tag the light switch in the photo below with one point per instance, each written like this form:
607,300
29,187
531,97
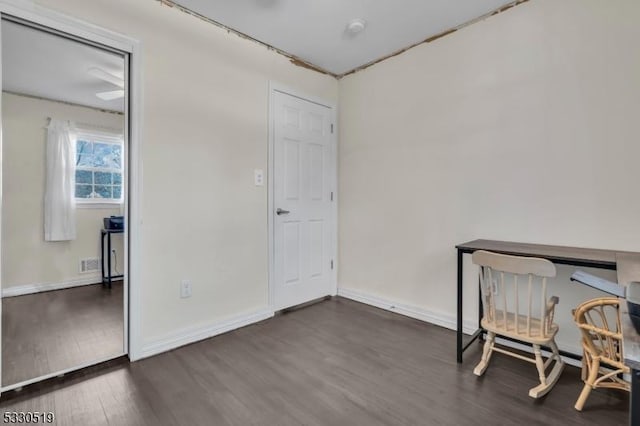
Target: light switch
258,176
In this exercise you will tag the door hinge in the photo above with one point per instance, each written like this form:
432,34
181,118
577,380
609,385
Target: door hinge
331,127
331,263
331,195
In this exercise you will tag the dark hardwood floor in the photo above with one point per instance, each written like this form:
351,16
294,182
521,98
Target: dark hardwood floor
337,362
43,333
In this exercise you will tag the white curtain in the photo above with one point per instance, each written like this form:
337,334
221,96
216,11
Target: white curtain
59,197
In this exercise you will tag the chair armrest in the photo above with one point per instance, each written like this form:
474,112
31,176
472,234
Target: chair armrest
551,305
550,311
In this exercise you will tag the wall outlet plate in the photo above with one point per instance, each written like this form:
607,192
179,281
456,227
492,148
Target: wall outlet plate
185,289
258,177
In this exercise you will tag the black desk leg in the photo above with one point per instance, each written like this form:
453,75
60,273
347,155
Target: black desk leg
109,259
102,252
480,308
634,405
459,335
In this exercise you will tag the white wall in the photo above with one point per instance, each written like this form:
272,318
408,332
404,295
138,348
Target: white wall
522,127
28,261
205,106
546,87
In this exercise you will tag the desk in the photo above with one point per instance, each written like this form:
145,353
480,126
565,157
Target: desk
108,278
627,265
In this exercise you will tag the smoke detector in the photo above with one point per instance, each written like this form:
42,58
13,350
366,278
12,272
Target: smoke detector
356,25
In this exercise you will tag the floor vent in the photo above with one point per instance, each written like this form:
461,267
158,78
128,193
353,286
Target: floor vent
91,264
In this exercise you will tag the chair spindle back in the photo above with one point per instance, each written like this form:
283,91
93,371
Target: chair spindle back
599,323
514,293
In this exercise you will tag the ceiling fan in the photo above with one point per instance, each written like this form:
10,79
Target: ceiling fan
110,78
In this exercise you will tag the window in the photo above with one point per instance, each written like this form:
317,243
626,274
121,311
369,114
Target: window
98,169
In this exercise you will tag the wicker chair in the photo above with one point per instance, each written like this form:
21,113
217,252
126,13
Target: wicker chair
602,361
515,305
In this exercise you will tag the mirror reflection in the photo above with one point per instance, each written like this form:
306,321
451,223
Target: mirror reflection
63,192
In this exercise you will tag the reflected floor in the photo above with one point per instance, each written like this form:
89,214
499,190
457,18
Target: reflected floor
51,331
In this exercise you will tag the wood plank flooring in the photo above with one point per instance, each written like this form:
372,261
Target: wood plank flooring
46,332
337,362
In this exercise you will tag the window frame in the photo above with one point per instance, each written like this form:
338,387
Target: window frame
98,136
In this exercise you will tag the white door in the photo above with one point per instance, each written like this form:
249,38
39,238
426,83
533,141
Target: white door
303,221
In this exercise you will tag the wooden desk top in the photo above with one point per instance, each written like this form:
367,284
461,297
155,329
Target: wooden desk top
559,254
626,263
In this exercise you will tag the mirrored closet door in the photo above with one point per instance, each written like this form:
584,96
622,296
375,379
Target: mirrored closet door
64,168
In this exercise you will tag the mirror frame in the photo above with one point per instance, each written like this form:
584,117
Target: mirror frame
38,16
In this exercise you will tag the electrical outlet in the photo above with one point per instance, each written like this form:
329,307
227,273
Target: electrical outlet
185,289
258,177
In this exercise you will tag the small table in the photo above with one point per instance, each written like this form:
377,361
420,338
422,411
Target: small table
108,278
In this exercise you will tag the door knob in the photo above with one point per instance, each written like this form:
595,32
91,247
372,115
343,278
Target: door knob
279,211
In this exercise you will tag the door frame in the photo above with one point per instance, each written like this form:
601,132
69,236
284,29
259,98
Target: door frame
38,15
275,87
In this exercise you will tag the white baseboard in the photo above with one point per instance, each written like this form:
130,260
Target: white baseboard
437,318
21,290
193,334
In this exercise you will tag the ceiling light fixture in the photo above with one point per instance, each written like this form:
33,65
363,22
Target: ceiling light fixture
356,25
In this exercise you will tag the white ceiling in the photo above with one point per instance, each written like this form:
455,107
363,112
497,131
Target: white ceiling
315,30
45,65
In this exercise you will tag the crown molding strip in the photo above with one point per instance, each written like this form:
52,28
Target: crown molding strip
294,59
436,37
302,63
